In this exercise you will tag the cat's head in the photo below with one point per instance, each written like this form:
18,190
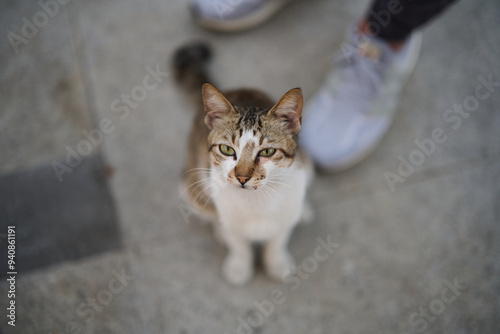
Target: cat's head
247,145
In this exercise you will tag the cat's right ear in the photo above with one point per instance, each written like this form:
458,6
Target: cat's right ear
216,105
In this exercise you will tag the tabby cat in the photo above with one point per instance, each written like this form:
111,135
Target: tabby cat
244,172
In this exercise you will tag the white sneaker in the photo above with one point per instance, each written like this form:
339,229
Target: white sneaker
345,121
234,15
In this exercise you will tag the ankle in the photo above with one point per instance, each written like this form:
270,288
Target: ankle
396,45
364,28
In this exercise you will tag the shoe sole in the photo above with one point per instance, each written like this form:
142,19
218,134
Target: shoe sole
410,65
263,14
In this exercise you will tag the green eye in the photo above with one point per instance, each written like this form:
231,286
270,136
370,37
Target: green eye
226,150
267,152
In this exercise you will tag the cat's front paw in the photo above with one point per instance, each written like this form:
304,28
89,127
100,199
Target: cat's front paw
280,266
237,271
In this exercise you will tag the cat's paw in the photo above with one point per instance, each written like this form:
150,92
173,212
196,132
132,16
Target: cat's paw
237,271
280,266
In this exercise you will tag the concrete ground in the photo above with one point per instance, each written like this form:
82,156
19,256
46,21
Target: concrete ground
107,248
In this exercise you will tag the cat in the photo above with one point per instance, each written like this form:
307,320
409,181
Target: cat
244,171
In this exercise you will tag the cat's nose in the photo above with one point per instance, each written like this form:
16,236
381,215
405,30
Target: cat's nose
243,179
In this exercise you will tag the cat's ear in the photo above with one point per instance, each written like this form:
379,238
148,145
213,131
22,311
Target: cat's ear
216,105
289,109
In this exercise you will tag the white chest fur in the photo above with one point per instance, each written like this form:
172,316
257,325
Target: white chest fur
261,214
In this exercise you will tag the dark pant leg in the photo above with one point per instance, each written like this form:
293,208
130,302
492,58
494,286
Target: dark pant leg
394,20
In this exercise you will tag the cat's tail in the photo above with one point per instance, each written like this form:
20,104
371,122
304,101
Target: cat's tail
190,70
189,65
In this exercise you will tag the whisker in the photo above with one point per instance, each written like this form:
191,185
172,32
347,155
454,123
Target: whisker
198,184
266,193
279,178
202,170
199,181
281,174
207,174
277,193
195,169
202,193
280,183
203,184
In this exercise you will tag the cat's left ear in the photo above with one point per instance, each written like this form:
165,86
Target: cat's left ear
289,109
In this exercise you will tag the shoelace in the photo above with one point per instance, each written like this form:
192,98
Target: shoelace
361,69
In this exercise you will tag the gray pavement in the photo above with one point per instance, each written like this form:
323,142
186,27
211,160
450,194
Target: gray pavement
422,257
